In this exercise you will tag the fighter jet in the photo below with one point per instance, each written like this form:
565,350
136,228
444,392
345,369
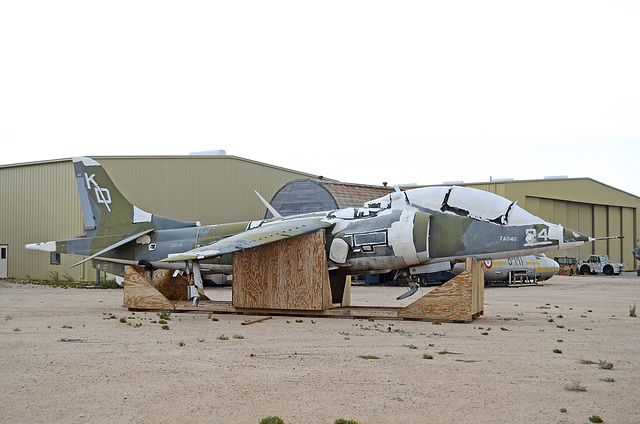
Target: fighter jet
416,231
532,268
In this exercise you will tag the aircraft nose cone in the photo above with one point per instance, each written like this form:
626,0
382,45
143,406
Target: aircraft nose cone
572,236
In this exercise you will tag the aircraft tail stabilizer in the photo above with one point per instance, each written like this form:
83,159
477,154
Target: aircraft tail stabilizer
105,210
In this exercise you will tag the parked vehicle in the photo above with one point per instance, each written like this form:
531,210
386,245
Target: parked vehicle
600,263
568,266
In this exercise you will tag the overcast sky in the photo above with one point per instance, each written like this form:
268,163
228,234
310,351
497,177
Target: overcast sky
360,91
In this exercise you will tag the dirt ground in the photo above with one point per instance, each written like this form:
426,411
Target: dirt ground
68,358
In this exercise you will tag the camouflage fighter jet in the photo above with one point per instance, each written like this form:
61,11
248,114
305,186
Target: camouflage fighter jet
417,231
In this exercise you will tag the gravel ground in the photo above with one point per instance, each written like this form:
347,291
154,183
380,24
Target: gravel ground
68,358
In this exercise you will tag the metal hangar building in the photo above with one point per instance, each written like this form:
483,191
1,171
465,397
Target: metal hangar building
39,202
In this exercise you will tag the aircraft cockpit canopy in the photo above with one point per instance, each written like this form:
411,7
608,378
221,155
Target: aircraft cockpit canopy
463,201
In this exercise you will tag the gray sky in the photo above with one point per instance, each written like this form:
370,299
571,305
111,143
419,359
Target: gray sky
360,91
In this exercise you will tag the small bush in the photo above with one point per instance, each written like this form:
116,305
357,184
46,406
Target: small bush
563,410
181,344
368,357
222,337
165,327
427,356
632,310
586,362
343,421
604,365
557,351
575,386
272,420
164,315
595,419
238,336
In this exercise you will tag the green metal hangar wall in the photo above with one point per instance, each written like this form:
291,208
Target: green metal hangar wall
581,204
39,201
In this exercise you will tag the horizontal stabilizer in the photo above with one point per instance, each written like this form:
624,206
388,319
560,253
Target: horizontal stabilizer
113,246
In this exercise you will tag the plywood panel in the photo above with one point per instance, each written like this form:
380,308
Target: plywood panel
459,299
139,293
290,274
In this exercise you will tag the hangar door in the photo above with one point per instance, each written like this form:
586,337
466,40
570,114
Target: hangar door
3,261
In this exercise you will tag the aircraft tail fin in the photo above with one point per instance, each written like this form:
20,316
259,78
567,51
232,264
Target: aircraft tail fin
105,210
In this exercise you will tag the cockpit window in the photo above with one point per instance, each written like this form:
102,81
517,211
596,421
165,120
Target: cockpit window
464,201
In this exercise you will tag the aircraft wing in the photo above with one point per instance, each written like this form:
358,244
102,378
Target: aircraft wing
267,233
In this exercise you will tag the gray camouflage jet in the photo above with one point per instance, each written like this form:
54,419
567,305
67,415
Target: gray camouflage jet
416,231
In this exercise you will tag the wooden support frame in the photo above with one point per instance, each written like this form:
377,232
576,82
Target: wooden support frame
291,274
291,278
161,292
460,299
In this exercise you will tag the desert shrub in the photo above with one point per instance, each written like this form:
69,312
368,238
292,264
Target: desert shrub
272,420
604,365
575,386
343,421
368,357
166,315
595,419
632,310
427,356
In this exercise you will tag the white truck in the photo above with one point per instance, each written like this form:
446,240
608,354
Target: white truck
600,263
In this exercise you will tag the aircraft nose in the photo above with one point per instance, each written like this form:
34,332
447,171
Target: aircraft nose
572,236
